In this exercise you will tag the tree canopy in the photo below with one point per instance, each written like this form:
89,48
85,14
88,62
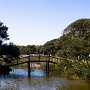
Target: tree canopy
10,50
80,27
3,33
75,48
77,39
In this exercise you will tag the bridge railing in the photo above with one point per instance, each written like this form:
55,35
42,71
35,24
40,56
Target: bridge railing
37,58
55,59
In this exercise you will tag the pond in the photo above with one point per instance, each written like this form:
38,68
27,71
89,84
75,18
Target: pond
18,80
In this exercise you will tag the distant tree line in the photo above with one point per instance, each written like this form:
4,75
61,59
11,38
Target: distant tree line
47,48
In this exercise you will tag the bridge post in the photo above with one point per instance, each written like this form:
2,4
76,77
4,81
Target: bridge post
46,68
47,65
39,57
29,68
17,60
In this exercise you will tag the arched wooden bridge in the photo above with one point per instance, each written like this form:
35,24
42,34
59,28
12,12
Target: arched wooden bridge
35,58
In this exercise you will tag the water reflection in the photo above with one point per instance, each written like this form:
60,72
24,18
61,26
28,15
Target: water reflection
18,80
24,73
37,73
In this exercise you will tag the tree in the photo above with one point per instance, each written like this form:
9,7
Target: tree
39,49
49,47
29,49
78,37
79,28
76,46
9,50
3,33
12,50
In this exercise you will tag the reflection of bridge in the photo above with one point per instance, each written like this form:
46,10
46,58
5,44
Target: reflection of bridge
35,58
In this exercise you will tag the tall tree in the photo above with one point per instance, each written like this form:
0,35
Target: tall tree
10,50
3,33
76,46
78,37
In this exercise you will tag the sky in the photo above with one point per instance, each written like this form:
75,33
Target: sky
34,22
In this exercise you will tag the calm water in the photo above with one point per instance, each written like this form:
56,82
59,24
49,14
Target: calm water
18,80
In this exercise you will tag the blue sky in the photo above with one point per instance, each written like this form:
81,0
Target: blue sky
38,21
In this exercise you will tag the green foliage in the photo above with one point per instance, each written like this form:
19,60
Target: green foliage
7,51
75,46
75,68
3,33
80,28
39,49
29,49
49,47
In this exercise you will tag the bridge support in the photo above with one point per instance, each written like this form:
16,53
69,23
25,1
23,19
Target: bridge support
29,67
47,68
